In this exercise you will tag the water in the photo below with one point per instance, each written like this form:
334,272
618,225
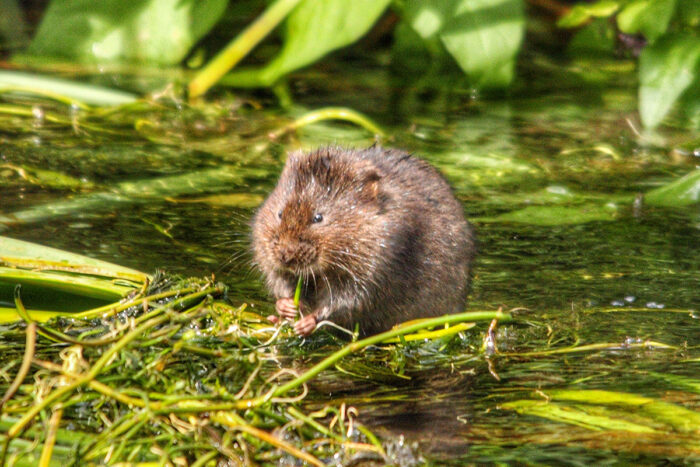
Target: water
549,177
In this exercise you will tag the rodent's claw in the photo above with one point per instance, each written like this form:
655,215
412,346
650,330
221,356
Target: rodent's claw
305,325
286,309
273,319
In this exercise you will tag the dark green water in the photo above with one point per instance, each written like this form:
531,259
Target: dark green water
549,178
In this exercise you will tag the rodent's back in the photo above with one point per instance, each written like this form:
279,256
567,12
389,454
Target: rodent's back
431,246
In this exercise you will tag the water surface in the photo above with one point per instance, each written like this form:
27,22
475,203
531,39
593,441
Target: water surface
551,178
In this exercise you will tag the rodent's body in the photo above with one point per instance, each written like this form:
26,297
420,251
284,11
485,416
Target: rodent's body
377,235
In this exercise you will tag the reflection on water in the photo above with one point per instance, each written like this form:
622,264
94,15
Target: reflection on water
627,277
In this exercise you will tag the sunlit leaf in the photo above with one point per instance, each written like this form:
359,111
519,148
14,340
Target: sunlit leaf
9,315
317,27
483,36
20,254
575,416
56,280
147,31
610,410
28,83
682,192
238,200
666,69
42,177
674,416
582,12
648,17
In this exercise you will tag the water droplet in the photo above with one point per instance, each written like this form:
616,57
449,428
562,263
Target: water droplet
617,303
630,298
38,114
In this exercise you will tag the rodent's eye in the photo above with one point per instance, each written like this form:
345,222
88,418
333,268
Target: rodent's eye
279,214
317,218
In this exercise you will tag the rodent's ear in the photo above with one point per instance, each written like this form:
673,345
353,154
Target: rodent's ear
371,187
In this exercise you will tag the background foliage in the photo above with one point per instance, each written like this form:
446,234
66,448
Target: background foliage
482,37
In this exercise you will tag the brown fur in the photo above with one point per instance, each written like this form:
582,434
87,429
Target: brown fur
393,244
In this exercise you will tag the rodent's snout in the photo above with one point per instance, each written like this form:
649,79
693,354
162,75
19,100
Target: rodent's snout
294,254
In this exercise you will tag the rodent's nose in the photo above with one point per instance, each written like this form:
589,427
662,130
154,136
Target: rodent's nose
287,254
296,253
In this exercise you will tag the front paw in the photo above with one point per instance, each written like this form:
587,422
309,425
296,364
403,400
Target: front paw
286,309
305,325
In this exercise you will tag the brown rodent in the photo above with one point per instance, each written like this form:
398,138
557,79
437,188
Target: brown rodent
377,235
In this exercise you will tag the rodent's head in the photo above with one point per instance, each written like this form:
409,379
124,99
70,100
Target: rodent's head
322,216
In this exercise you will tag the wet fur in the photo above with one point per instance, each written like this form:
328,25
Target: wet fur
393,244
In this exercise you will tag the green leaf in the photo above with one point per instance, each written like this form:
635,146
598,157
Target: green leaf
674,417
49,86
20,254
688,13
483,36
690,104
147,31
54,280
581,13
648,17
575,416
10,315
682,192
317,27
611,411
576,17
556,215
597,38
666,69
86,286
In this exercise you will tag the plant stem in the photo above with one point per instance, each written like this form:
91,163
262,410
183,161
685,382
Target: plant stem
588,347
61,392
113,309
233,421
50,440
356,346
297,292
240,47
331,113
26,364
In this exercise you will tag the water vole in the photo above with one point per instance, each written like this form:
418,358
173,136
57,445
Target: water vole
376,234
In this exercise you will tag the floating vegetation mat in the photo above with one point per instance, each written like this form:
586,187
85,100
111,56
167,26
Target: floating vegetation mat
175,375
